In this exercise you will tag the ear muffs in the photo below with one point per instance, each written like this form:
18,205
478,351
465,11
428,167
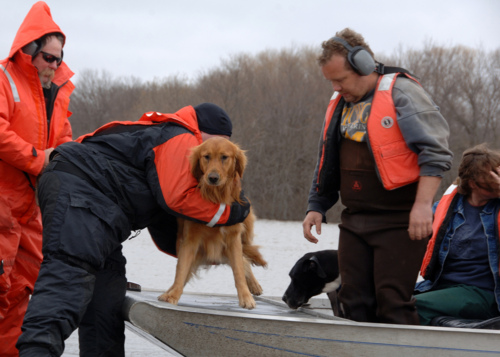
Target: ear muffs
33,48
358,57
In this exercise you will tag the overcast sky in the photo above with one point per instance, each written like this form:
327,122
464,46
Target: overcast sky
151,39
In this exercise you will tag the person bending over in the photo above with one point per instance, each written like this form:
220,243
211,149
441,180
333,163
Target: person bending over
125,176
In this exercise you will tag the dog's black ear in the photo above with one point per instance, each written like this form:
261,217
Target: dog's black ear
314,265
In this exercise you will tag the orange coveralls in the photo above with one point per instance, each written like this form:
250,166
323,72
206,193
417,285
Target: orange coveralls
24,135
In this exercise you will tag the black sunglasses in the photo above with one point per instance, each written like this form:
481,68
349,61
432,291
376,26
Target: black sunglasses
47,57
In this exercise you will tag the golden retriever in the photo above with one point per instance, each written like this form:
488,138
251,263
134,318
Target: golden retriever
218,165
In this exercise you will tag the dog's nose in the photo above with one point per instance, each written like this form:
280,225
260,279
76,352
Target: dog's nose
213,178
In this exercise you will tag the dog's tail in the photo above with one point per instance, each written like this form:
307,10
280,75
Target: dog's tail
251,252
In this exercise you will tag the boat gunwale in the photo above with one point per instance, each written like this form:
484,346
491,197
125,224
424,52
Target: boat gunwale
310,320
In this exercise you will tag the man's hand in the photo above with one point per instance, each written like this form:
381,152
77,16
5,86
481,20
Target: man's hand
421,213
420,221
47,155
495,173
312,219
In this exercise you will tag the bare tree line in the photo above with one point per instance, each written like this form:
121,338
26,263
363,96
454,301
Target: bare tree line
277,101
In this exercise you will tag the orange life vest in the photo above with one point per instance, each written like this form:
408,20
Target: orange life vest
396,163
439,226
439,216
152,118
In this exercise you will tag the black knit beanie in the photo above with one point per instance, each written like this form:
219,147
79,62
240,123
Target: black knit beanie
212,119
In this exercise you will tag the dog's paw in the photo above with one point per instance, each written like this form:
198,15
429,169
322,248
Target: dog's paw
255,287
247,301
248,304
168,298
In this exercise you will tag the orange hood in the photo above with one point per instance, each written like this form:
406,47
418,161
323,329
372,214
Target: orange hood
38,22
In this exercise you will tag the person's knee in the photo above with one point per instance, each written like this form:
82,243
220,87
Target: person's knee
35,351
393,306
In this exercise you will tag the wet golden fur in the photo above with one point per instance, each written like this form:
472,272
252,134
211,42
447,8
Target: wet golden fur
218,165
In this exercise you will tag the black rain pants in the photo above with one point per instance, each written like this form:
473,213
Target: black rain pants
82,280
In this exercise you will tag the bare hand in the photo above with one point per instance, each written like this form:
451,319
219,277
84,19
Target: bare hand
312,219
420,226
420,221
47,156
495,173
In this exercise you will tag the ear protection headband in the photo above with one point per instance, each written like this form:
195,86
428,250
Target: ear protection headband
33,48
358,57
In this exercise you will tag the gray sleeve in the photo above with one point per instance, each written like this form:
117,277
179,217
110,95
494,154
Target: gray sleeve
423,127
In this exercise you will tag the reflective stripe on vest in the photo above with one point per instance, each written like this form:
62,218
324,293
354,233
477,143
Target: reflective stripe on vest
217,216
15,94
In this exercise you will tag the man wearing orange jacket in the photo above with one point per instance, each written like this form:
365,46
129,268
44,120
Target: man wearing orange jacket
34,98
125,176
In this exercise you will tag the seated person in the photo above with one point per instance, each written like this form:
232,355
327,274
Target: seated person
461,264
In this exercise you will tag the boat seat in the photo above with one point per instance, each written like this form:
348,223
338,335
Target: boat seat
448,321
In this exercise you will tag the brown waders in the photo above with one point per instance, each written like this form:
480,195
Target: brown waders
379,264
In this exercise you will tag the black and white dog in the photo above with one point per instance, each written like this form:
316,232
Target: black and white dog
313,274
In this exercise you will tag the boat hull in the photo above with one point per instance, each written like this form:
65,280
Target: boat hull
203,325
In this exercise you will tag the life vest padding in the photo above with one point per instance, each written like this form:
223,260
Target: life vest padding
334,101
397,164
442,218
439,216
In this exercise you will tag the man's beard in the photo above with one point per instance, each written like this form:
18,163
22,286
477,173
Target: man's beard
43,75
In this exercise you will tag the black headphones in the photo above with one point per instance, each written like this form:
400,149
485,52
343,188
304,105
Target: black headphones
358,57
